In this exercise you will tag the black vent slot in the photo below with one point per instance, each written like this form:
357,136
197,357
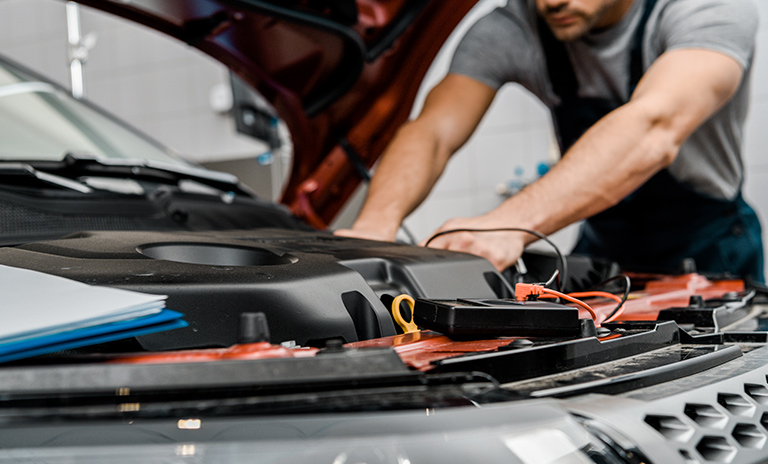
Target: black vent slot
749,436
736,405
716,449
670,427
706,416
757,392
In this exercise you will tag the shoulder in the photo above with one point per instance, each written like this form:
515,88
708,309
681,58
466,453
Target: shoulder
499,46
728,26
513,20
733,6
674,14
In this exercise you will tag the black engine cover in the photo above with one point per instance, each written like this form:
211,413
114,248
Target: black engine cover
312,286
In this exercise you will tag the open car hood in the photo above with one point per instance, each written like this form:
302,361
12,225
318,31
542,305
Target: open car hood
342,74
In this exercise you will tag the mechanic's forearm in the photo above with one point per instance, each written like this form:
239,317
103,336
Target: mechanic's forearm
407,172
419,152
681,90
612,159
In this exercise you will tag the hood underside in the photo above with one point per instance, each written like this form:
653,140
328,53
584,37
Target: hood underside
342,74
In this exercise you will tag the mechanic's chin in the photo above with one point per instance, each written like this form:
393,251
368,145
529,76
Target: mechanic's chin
567,29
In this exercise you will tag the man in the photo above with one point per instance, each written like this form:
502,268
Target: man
648,99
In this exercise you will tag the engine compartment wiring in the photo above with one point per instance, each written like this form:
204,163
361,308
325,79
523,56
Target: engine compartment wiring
539,235
525,291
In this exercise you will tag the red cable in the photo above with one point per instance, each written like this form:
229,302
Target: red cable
573,300
523,291
610,296
619,312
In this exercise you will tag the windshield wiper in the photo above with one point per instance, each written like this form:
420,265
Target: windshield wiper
25,170
74,166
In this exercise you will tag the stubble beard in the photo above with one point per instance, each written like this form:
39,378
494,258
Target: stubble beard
583,24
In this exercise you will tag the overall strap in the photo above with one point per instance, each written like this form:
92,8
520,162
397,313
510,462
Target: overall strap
560,68
636,60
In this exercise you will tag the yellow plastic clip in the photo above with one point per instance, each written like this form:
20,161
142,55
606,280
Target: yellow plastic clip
407,326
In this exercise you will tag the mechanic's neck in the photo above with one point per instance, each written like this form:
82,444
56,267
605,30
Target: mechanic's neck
614,14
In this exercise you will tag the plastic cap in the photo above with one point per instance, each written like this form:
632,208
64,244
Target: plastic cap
253,328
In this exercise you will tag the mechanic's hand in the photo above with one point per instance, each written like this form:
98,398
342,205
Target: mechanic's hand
502,249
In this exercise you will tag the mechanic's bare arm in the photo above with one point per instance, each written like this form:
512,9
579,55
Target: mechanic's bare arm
681,90
418,154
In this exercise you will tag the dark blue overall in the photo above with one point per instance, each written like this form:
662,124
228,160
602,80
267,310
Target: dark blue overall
663,222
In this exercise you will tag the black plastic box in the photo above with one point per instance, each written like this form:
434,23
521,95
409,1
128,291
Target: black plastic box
496,317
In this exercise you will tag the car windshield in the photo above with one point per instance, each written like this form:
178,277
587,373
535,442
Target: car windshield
42,122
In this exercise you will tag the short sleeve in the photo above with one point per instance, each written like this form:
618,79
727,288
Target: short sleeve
497,49
727,26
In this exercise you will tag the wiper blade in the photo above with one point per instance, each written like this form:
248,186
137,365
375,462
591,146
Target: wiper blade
188,171
77,165
25,170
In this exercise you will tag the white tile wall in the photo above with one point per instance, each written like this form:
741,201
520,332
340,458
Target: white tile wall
156,83
162,87
33,32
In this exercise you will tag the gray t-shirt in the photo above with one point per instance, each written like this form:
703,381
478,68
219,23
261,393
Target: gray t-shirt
504,47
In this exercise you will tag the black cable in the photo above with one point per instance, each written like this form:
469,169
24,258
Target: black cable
602,284
551,279
563,263
409,234
556,279
628,285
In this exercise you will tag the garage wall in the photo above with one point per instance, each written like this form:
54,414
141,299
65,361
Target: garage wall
164,87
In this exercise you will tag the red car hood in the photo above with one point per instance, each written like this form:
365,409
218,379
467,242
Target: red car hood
342,74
